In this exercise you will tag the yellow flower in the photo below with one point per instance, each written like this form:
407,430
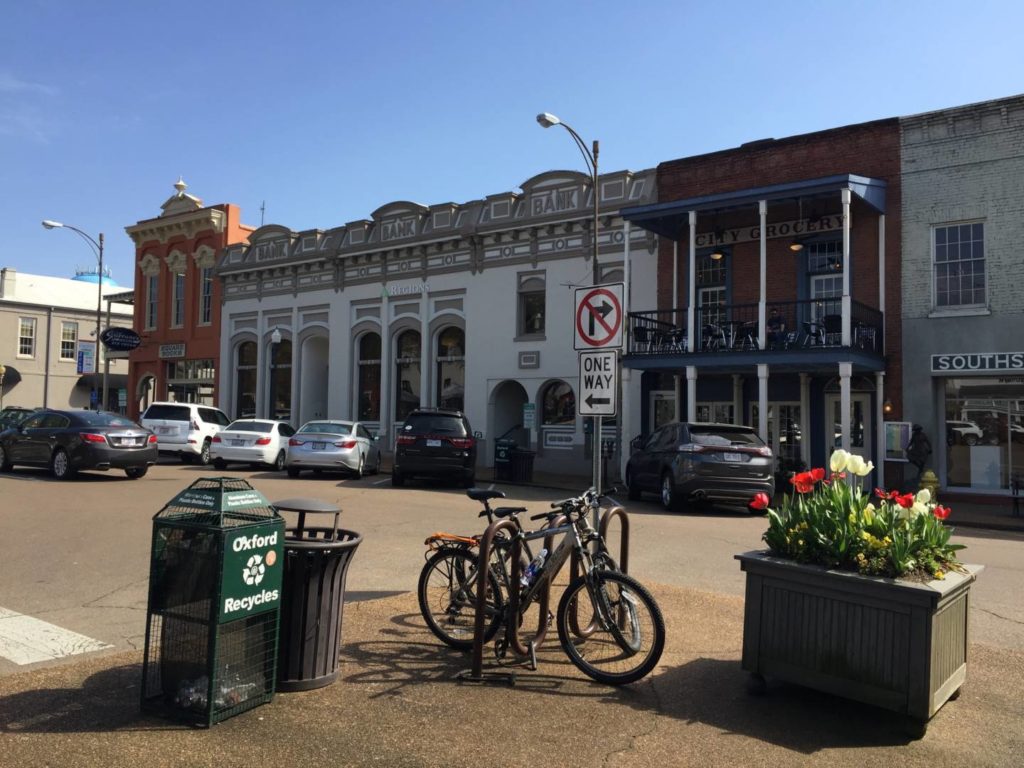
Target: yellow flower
804,526
869,513
800,542
940,575
839,460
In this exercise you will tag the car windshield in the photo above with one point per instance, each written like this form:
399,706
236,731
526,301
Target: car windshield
250,426
98,419
326,428
170,412
434,424
723,436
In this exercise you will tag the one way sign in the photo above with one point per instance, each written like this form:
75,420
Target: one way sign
599,383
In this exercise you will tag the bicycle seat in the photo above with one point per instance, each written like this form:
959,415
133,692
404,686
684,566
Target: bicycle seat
482,494
506,511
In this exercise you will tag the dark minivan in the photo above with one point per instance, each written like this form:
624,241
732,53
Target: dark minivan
693,462
435,442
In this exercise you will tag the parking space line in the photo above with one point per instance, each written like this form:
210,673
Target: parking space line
381,482
25,640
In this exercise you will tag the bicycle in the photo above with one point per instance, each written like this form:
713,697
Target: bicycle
447,584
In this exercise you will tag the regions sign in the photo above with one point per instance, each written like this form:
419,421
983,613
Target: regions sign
120,339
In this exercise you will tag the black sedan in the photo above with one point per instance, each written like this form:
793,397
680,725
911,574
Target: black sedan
68,441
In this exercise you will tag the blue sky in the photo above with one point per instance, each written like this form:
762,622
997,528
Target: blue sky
328,110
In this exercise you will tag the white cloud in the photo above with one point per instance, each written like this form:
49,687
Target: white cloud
10,83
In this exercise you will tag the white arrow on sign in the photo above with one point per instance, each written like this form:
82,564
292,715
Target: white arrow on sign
599,383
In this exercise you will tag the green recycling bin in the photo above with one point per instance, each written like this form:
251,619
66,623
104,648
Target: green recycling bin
503,448
214,603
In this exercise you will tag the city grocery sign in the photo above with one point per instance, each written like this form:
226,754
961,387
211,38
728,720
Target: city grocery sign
795,228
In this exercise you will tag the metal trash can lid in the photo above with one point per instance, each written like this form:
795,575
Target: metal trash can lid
305,505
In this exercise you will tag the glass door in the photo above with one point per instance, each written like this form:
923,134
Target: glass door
861,442
662,409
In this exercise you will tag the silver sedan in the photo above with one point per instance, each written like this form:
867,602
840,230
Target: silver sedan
333,446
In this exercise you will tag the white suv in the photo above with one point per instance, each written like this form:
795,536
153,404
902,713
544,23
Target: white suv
186,429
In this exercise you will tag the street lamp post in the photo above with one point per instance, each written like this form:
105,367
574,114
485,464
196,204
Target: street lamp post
546,120
275,339
3,372
97,248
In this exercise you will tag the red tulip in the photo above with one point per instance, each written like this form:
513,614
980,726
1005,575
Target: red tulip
818,473
760,501
906,500
941,512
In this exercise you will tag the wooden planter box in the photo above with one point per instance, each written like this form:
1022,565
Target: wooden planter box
895,644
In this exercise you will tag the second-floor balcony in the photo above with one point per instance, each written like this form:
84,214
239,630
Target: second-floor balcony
727,334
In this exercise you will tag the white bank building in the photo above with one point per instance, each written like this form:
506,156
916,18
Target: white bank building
467,306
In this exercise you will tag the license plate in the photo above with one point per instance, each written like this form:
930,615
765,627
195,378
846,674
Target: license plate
238,442
734,457
319,446
163,430
433,443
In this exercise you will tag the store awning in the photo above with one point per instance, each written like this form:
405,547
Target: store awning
671,218
114,380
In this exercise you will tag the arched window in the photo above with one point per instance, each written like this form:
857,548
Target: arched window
368,365
558,404
407,374
281,380
245,380
451,368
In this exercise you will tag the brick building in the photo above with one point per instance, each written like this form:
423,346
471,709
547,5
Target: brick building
779,292
178,300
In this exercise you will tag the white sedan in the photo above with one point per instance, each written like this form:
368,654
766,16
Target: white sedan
252,441
333,446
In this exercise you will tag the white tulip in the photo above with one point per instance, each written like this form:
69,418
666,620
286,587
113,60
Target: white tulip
923,496
839,460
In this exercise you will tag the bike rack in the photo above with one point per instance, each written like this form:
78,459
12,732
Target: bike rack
606,518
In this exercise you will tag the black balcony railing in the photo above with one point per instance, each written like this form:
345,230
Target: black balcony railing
811,324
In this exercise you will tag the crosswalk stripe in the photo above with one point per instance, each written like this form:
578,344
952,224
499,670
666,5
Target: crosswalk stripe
26,640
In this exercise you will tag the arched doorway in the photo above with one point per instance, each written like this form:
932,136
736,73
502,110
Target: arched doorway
145,393
506,416
313,370
451,368
407,374
245,380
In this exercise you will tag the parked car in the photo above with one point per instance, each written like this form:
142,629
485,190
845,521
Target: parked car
692,462
69,441
252,441
13,415
185,429
435,442
333,446
966,432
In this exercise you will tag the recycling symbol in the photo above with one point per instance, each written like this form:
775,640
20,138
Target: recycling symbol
253,572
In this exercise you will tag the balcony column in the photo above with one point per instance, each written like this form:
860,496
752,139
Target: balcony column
691,393
762,209
691,286
762,401
845,371
879,430
737,398
805,419
847,306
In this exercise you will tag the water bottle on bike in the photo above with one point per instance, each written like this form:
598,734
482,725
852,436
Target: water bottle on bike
533,569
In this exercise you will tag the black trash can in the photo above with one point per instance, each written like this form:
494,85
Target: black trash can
522,466
316,560
503,448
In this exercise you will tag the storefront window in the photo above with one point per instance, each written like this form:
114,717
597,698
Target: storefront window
245,386
280,394
407,374
451,369
369,377
559,405
984,432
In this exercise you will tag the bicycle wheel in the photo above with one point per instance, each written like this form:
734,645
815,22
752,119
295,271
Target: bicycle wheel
447,596
626,632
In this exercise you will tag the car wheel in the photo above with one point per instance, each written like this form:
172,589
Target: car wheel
134,473
632,489
220,464
397,479
376,467
359,469
60,465
278,464
669,499
5,464
204,453
971,439
293,472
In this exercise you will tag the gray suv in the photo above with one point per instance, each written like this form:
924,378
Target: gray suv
687,462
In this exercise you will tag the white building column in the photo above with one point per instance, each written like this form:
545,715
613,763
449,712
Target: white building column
294,407
691,393
737,398
879,429
845,371
805,419
847,305
262,367
692,332
227,372
626,418
426,348
386,369
762,401
762,209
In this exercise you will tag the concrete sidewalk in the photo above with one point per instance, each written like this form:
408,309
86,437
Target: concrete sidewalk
398,704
